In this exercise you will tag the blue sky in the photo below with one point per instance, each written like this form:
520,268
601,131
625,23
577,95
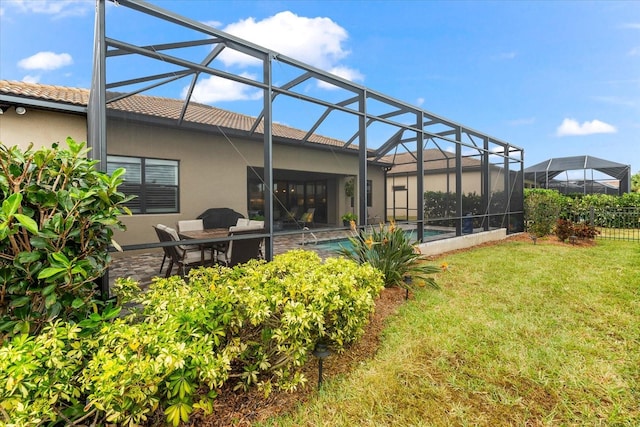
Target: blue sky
556,78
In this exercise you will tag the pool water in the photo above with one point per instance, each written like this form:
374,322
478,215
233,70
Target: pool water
336,244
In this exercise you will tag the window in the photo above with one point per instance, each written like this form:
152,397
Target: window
154,182
369,193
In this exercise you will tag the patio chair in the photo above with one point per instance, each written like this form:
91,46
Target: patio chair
242,222
190,225
241,251
291,216
164,257
306,219
184,256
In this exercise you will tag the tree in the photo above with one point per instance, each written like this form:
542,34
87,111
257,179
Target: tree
635,182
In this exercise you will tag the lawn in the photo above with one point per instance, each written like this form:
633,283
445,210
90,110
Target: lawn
519,334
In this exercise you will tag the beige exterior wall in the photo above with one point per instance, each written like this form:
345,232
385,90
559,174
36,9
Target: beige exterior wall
213,172
43,128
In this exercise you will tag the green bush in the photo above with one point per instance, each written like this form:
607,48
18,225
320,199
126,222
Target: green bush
541,210
442,205
389,249
253,325
56,222
605,210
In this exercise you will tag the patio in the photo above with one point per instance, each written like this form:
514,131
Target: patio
143,266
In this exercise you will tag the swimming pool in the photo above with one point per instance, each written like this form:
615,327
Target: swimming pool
336,244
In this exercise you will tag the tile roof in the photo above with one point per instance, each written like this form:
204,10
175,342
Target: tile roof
155,106
63,94
434,160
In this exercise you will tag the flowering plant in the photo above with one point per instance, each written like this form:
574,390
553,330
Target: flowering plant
389,249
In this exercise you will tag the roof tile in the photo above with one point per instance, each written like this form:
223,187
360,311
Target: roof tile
168,108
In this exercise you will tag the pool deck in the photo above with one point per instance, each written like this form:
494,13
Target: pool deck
144,266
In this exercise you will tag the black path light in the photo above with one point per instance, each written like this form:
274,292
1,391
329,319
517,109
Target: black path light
407,281
321,351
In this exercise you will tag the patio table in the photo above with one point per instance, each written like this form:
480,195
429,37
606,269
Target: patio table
207,233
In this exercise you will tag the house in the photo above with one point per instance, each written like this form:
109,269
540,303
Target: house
439,176
213,160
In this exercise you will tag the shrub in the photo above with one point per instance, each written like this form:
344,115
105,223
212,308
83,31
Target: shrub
388,249
563,229
583,230
56,222
253,325
541,210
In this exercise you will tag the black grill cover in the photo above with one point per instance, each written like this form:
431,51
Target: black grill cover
219,217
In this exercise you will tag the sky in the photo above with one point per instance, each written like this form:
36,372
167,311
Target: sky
556,78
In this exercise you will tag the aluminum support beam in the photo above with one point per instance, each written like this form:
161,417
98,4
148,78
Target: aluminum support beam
507,185
362,149
97,112
268,156
486,184
458,183
420,180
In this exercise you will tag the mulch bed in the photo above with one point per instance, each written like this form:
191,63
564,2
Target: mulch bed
239,408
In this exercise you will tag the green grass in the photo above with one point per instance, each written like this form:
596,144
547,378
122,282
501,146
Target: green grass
519,335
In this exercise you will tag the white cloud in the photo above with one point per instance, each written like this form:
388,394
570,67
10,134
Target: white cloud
315,41
31,79
571,127
634,51
214,24
59,8
46,61
420,102
215,89
344,72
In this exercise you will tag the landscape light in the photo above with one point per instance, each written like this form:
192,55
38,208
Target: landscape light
321,352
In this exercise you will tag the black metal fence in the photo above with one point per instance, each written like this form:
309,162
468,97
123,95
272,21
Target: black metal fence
612,223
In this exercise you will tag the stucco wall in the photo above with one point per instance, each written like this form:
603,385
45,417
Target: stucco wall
213,171
41,127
